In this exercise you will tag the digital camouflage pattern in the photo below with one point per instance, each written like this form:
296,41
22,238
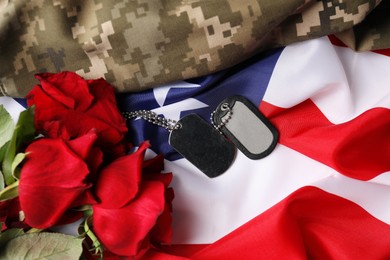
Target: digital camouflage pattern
140,44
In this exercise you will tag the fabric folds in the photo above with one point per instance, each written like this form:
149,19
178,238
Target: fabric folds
141,44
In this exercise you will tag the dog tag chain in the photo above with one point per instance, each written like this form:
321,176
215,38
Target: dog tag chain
211,148
195,140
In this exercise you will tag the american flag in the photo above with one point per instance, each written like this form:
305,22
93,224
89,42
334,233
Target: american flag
323,192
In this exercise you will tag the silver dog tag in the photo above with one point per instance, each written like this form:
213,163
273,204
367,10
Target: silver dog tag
242,123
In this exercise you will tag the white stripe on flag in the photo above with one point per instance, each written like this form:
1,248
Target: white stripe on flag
207,209
13,107
341,82
384,179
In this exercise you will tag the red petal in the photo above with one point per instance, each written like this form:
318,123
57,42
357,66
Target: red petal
45,206
54,129
96,109
52,163
51,179
94,161
46,108
86,198
69,217
106,108
123,230
165,178
121,178
57,95
81,123
162,231
152,170
155,164
9,212
169,196
67,88
82,145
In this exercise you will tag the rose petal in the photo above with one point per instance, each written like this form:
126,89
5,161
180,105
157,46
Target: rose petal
52,177
78,106
69,217
9,213
54,129
165,178
94,161
162,231
122,178
67,88
108,136
45,206
123,230
156,164
46,108
106,108
57,95
86,198
51,162
82,145
152,170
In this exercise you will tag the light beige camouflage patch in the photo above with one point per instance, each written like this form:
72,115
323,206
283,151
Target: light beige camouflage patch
310,18
208,35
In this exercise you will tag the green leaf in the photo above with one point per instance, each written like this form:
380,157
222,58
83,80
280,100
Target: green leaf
10,192
17,160
43,246
1,181
9,234
3,151
7,126
24,132
85,230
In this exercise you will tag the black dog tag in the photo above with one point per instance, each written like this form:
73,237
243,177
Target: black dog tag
246,127
202,145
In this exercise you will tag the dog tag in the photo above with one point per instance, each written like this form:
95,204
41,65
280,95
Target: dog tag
246,127
202,145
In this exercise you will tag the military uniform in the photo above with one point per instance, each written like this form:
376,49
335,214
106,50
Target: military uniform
141,44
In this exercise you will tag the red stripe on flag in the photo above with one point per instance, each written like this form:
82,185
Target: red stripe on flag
383,52
359,148
336,41
310,223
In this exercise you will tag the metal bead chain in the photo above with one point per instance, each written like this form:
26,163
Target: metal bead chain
224,107
153,118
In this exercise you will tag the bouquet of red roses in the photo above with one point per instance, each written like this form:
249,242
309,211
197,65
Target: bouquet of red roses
67,160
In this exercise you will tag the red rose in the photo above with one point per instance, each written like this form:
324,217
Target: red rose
54,178
65,169
9,214
68,106
133,210
133,195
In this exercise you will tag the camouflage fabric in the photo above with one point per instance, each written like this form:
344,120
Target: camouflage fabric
372,33
139,44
